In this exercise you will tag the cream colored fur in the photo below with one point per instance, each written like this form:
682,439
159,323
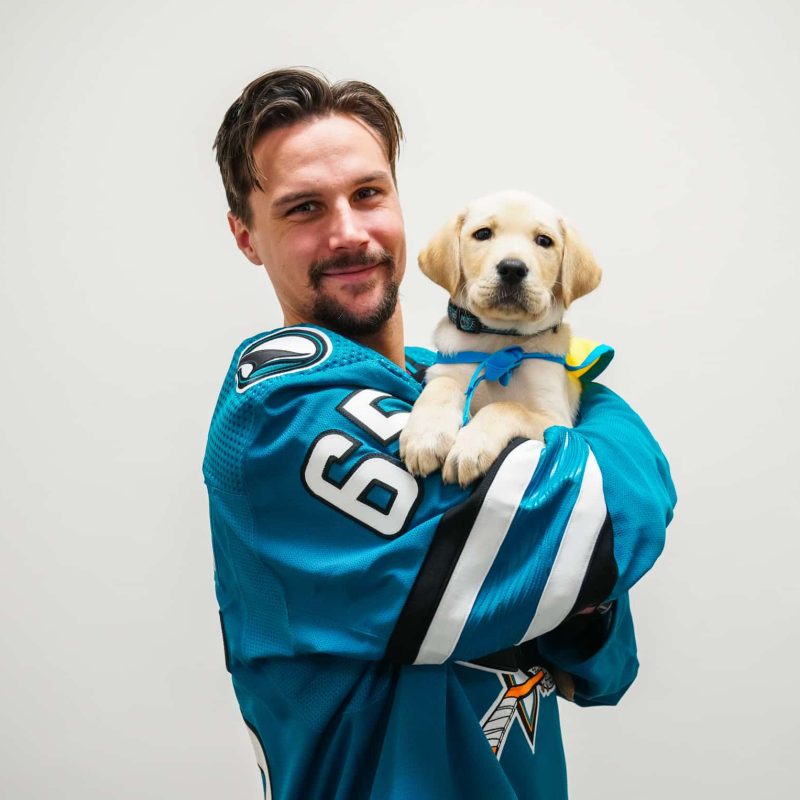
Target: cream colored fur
540,393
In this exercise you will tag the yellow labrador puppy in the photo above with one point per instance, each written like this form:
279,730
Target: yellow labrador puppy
512,265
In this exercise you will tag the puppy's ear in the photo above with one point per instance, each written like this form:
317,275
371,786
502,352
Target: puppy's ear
441,259
579,271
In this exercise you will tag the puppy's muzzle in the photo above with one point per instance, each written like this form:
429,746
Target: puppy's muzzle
511,271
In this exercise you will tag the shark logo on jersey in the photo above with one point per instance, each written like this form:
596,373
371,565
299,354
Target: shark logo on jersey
518,701
280,352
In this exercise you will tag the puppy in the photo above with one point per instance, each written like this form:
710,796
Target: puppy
512,265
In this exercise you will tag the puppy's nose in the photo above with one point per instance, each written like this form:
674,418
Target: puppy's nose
512,270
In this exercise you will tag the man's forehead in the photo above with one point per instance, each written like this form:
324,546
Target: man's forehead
318,151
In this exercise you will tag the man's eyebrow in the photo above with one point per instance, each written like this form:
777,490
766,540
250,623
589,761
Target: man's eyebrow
380,175
311,194
295,197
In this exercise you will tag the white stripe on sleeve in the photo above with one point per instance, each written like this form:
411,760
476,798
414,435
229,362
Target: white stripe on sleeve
483,543
574,553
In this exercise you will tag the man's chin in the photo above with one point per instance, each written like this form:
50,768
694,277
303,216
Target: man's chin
355,315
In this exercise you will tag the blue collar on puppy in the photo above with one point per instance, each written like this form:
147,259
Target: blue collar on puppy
466,321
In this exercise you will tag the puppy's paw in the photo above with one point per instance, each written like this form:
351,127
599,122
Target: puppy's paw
474,451
427,438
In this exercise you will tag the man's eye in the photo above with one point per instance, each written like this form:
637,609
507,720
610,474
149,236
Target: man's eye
303,208
482,234
543,241
363,194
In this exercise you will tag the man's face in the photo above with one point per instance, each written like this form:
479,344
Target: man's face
327,226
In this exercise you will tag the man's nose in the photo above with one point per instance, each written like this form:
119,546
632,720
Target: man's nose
347,229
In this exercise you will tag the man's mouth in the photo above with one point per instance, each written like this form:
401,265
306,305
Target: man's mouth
350,268
353,272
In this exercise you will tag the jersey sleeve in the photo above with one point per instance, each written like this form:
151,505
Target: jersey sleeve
598,650
637,484
325,544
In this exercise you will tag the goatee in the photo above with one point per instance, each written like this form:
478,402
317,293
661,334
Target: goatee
331,313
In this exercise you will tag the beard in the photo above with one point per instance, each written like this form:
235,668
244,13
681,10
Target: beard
332,313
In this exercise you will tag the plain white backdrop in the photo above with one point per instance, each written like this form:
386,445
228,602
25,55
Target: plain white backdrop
667,132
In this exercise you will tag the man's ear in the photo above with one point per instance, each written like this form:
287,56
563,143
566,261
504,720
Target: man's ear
580,273
242,235
441,259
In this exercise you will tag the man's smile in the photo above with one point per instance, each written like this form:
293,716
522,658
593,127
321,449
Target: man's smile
350,269
353,273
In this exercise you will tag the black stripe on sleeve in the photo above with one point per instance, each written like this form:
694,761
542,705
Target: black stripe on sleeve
602,573
225,643
437,567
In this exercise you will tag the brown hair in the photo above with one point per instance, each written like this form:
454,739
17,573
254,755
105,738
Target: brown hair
281,98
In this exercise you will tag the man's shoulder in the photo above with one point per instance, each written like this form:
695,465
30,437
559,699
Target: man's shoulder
303,354
275,354
284,386
315,356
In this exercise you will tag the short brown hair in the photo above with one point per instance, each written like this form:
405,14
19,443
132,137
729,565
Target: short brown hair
281,98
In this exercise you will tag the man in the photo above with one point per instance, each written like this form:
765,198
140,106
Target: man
389,636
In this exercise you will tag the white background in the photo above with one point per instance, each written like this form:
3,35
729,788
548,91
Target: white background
667,132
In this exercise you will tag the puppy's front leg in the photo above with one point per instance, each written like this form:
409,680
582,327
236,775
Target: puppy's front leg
432,426
480,442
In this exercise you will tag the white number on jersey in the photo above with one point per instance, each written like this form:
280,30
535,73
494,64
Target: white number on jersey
377,492
362,408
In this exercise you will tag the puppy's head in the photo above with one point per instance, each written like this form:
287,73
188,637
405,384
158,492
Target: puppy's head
510,256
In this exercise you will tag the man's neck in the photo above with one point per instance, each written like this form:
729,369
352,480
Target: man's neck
388,341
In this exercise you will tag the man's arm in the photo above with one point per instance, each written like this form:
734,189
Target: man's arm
637,483
598,649
324,544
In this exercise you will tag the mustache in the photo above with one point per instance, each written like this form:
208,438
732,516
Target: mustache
318,268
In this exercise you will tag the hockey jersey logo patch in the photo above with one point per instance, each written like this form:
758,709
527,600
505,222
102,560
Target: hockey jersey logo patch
518,701
286,350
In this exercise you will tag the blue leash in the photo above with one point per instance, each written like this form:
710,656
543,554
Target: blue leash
498,366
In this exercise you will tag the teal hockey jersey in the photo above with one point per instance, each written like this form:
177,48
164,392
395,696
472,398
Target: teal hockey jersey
394,638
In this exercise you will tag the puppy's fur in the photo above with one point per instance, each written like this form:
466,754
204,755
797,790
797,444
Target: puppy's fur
551,268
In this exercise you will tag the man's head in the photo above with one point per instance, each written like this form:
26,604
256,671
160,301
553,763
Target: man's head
309,172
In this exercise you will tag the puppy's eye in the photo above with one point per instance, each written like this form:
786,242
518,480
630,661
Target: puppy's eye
543,241
482,233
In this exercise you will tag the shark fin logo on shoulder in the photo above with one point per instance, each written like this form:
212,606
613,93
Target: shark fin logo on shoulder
281,352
